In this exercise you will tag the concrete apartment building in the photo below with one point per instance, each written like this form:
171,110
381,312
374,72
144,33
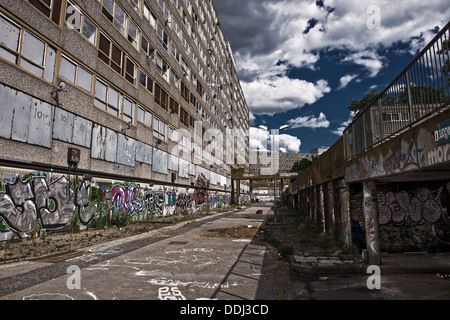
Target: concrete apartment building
133,94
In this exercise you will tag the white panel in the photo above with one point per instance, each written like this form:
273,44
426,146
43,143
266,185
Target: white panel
7,101
148,154
183,171
41,121
140,151
126,151
111,145
173,163
160,161
98,142
63,125
22,115
82,130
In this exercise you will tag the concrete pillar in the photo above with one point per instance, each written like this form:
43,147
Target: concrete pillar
314,203
322,208
331,215
238,191
345,219
370,208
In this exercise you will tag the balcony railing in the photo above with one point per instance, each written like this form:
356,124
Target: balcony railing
419,90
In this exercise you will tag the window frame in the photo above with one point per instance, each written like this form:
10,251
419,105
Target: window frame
23,60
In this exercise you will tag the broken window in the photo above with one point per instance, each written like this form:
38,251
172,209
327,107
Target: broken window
163,37
136,4
149,15
133,34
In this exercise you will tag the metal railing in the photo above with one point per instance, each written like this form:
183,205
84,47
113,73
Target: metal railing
420,89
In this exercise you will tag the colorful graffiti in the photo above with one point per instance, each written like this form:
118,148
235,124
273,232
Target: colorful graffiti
35,203
125,199
201,194
418,152
54,205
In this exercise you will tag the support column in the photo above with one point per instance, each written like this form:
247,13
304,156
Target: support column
370,208
332,222
238,191
345,222
321,205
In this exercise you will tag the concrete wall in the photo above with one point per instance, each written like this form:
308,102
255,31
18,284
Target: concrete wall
391,198
49,201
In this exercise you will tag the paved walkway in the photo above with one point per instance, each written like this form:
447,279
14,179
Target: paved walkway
342,263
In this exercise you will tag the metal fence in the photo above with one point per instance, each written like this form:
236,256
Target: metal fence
421,89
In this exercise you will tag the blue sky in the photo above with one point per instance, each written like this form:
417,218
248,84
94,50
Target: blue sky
300,62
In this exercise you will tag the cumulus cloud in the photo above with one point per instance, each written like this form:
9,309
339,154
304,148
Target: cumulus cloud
310,122
269,96
289,143
370,60
345,80
261,140
270,37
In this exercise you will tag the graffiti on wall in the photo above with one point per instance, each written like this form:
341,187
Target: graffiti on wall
27,205
201,193
412,208
54,205
171,199
125,199
419,152
184,202
154,203
372,222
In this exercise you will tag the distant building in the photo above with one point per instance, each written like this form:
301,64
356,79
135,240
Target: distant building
263,159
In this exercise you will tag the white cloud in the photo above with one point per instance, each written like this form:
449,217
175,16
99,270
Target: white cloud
261,140
252,118
368,59
345,80
289,143
310,122
340,131
281,94
269,37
